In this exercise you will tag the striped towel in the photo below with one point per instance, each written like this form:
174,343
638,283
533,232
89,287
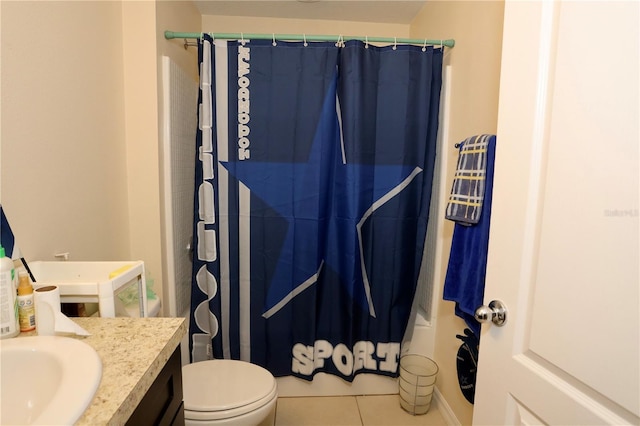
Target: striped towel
465,202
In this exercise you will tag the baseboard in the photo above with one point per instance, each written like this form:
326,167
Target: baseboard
445,410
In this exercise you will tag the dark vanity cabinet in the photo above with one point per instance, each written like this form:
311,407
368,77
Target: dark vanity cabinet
162,405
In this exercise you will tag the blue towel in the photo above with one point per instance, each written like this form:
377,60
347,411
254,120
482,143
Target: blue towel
467,191
464,282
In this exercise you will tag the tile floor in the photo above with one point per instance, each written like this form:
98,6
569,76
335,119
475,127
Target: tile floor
372,410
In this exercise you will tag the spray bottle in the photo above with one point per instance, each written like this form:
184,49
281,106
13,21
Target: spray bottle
9,325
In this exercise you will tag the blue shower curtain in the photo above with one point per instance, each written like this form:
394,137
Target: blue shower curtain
313,184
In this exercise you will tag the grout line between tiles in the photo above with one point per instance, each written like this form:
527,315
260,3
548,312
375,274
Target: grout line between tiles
359,411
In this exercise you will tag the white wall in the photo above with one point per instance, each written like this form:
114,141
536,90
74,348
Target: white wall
64,174
248,24
476,27
80,107
144,45
141,131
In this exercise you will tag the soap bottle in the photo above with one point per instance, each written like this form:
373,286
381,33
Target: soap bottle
26,308
9,325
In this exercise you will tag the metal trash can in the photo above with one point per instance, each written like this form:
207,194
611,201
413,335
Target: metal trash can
417,380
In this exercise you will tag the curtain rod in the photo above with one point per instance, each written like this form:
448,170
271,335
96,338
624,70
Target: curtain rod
309,37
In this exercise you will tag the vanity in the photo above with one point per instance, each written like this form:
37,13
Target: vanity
141,370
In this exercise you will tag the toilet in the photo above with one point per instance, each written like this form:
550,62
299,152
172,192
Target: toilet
228,392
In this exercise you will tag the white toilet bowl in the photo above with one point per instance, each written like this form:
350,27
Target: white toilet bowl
228,392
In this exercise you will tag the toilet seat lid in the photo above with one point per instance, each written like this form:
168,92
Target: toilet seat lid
223,384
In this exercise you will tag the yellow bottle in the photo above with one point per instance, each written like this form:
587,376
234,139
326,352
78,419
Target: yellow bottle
26,308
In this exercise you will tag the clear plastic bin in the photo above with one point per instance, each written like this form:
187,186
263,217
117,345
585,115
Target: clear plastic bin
94,282
417,380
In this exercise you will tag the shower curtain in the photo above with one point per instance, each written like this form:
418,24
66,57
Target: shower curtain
313,183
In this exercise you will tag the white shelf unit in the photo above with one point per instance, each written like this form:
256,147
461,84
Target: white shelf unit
90,282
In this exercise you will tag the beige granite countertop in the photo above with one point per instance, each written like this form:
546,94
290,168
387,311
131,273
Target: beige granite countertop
133,352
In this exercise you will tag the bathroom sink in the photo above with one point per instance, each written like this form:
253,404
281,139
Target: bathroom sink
46,380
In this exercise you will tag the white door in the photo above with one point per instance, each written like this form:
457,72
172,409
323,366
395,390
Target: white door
563,250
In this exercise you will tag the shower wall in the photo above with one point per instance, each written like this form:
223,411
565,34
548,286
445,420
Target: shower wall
178,157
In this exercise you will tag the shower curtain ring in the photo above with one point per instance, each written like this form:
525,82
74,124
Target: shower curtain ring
424,46
366,42
242,42
395,43
304,37
273,35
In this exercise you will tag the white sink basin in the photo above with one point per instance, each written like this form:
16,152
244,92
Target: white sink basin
46,380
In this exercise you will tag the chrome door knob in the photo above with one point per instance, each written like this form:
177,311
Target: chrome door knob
496,312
